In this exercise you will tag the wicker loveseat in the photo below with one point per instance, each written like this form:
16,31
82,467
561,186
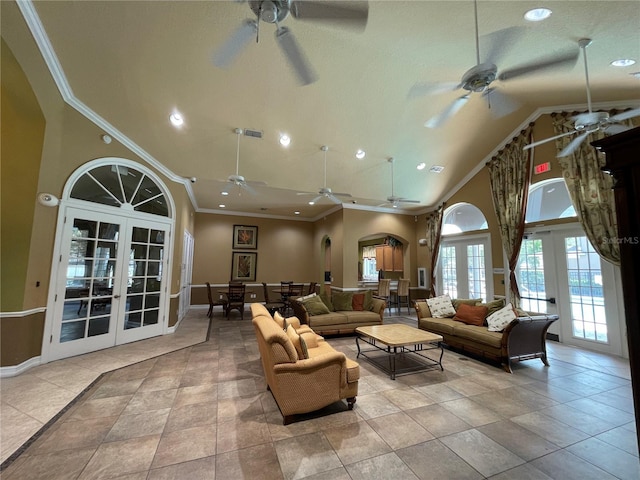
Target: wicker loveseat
302,385
343,315
522,339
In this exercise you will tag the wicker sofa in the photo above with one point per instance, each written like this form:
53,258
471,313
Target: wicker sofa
522,339
302,385
340,319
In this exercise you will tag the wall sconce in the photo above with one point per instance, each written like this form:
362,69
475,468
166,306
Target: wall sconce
48,199
422,241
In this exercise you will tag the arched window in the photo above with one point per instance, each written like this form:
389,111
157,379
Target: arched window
121,186
549,199
462,217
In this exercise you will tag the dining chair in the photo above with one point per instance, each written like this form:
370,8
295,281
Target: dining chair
402,294
384,291
214,303
273,307
235,299
296,290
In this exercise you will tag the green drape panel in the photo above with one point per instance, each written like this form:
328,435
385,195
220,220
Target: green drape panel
590,189
510,176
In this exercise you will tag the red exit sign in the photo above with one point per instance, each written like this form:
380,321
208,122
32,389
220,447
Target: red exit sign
541,168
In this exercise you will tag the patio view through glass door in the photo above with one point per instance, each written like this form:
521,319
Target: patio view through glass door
559,272
110,282
463,268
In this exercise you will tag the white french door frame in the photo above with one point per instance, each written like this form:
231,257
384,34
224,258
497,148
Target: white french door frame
557,286
186,274
462,239
70,207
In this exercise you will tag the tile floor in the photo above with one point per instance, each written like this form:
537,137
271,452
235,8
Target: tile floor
187,407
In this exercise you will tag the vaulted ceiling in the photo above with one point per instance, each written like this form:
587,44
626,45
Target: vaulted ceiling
133,63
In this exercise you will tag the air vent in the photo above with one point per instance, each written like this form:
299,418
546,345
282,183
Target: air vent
436,169
252,133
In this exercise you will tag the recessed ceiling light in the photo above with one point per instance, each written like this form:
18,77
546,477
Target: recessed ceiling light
222,205
312,203
537,14
623,62
176,119
285,140
297,212
436,169
360,154
421,166
224,193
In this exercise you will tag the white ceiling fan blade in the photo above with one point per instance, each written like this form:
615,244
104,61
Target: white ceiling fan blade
500,104
406,200
588,118
228,52
248,188
256,183
333,198
616,128
341,194
295,56
626,115
447,113
574,144
497,43
425,88
567,59
352,14
317,199
540,142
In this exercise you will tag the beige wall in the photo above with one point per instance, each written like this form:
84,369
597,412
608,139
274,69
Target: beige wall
23,127
39,155
285,250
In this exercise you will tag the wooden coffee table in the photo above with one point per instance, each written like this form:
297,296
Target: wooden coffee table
403,348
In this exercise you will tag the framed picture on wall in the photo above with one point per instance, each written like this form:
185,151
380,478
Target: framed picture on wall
243,266
422,277
245,237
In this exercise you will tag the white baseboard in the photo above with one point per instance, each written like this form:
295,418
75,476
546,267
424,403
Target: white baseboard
6,372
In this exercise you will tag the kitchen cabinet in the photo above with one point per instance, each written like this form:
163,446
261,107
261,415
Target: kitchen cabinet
389,258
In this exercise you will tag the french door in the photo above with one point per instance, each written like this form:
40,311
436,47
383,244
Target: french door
110,286
464,267
559,272
186,274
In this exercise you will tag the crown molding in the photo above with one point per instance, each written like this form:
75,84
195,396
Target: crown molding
36,28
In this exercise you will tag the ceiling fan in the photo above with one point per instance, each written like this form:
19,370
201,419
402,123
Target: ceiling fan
480,78
589,122
393,200
237,179
325,192
352,14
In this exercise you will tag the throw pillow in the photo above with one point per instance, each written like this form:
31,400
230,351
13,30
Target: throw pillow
500,319
315,305
368,300
326,299
357,302
521,313
492,306
456,302
471,315
302,299
295,339
441,307
342,301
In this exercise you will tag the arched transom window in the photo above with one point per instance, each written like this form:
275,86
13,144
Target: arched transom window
462,217
549,199
121,186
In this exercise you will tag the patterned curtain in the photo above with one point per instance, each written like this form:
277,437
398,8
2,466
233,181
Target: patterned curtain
590,188
434,230
510,176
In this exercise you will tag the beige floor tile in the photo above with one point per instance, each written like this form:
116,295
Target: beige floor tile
242,433
115,459
399,430
200,469
260,461
185,445
355,442
306,455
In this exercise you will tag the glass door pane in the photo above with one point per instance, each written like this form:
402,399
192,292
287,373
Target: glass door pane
449,271
476,271
531,278
586,296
